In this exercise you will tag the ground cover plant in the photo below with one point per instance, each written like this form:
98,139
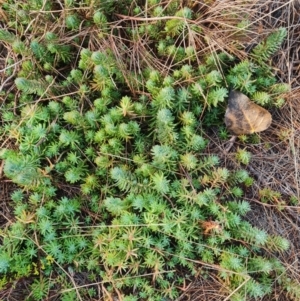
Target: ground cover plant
106,115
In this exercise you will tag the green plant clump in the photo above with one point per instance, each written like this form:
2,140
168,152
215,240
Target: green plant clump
115,182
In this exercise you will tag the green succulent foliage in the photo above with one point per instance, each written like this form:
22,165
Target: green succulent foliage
243,156
176,26
23,169
30,86
7,36
291,286
118,184
254,77
265,50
